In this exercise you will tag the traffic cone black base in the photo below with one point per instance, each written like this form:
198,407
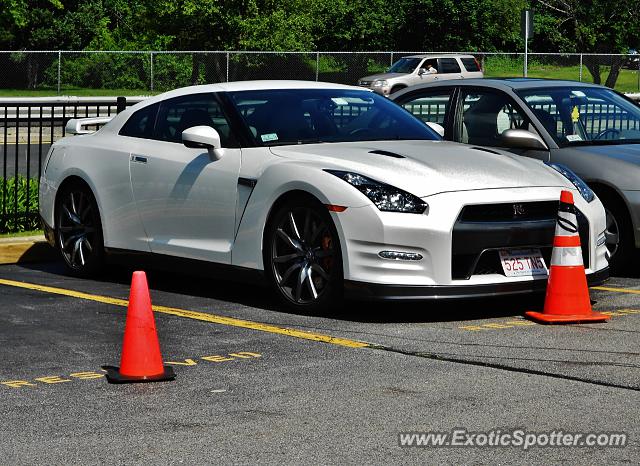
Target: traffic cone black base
114,376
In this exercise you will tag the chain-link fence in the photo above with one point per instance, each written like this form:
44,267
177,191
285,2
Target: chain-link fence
66,72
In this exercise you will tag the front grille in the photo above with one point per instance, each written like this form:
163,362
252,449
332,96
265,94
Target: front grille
365,83
521,211
482,230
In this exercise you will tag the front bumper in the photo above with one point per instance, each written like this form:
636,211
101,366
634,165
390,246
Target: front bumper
377,292
365,232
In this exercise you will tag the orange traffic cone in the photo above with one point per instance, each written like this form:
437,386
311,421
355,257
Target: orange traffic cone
567,300
141,360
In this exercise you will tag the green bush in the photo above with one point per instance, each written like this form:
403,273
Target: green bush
27,212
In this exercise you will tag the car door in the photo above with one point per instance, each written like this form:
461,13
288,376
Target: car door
431,106
449,68
187,200
417,78
483,114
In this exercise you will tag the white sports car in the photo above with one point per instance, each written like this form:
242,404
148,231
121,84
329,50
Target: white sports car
321,188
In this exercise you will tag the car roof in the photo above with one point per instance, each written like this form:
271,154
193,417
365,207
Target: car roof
232,86
505,83
249,86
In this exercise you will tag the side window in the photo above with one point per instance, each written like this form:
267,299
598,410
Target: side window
485,116
176,115
140,124
470,64
546,110
448,65
430,107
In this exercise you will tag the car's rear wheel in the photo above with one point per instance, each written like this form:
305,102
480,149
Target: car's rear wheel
78,230
303,258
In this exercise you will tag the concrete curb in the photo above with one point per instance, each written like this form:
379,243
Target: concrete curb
20,250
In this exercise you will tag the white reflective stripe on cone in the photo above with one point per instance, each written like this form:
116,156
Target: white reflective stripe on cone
566,256
570,219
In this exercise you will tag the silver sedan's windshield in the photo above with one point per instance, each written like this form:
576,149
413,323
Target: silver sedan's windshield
307,116
584,115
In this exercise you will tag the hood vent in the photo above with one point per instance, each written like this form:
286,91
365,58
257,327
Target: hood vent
387,153
483,149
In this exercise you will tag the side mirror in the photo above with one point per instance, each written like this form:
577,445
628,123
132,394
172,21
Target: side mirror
436,127
522,139
422,71
203,137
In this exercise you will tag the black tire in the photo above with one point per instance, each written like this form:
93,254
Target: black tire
78,230
302,256
395,89
620,241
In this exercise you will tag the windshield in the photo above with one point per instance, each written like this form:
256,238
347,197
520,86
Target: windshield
307,116
405,65
584,115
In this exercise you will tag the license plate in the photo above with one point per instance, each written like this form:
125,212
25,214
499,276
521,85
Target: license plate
522,262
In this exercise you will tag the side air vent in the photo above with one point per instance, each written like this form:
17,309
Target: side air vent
387,153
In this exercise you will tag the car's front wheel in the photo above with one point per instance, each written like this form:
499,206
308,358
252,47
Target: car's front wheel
78,229
618,233
303,258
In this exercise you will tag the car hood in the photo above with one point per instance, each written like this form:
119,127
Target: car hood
374,77
425,168
626,152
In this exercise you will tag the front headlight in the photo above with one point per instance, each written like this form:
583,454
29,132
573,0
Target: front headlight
380,83
385,197
584,190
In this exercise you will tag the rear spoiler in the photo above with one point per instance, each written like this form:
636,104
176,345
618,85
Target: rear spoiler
78,125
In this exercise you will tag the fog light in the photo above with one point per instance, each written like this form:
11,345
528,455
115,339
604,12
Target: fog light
601,240
400,256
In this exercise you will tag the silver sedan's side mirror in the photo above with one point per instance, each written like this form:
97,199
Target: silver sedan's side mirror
522,139
203,137
422,71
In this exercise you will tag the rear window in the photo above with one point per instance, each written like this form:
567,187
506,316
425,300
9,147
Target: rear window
448,65
470,64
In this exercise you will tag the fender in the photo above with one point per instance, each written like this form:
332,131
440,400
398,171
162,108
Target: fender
275,181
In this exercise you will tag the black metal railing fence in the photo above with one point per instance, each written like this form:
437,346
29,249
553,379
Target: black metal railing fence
28,127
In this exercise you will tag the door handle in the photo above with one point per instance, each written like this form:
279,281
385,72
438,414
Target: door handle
138,158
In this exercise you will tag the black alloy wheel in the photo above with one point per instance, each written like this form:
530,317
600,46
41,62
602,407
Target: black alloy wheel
78,230
303,256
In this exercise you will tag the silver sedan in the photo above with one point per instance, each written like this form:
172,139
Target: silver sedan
574,127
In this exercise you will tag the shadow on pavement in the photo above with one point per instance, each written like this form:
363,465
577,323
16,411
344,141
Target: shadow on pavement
259,296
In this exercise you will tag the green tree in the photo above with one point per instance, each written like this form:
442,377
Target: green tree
603,27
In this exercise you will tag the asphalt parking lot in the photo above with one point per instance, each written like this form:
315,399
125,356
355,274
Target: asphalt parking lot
258,384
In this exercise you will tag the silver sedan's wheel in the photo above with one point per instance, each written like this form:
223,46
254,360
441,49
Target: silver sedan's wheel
612,234
78,230
304,256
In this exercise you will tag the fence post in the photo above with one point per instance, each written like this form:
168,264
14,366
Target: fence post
151,69
580,67
227,66
59,70
391,62
317,65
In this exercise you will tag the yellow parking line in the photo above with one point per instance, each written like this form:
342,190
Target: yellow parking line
213,318
616,290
